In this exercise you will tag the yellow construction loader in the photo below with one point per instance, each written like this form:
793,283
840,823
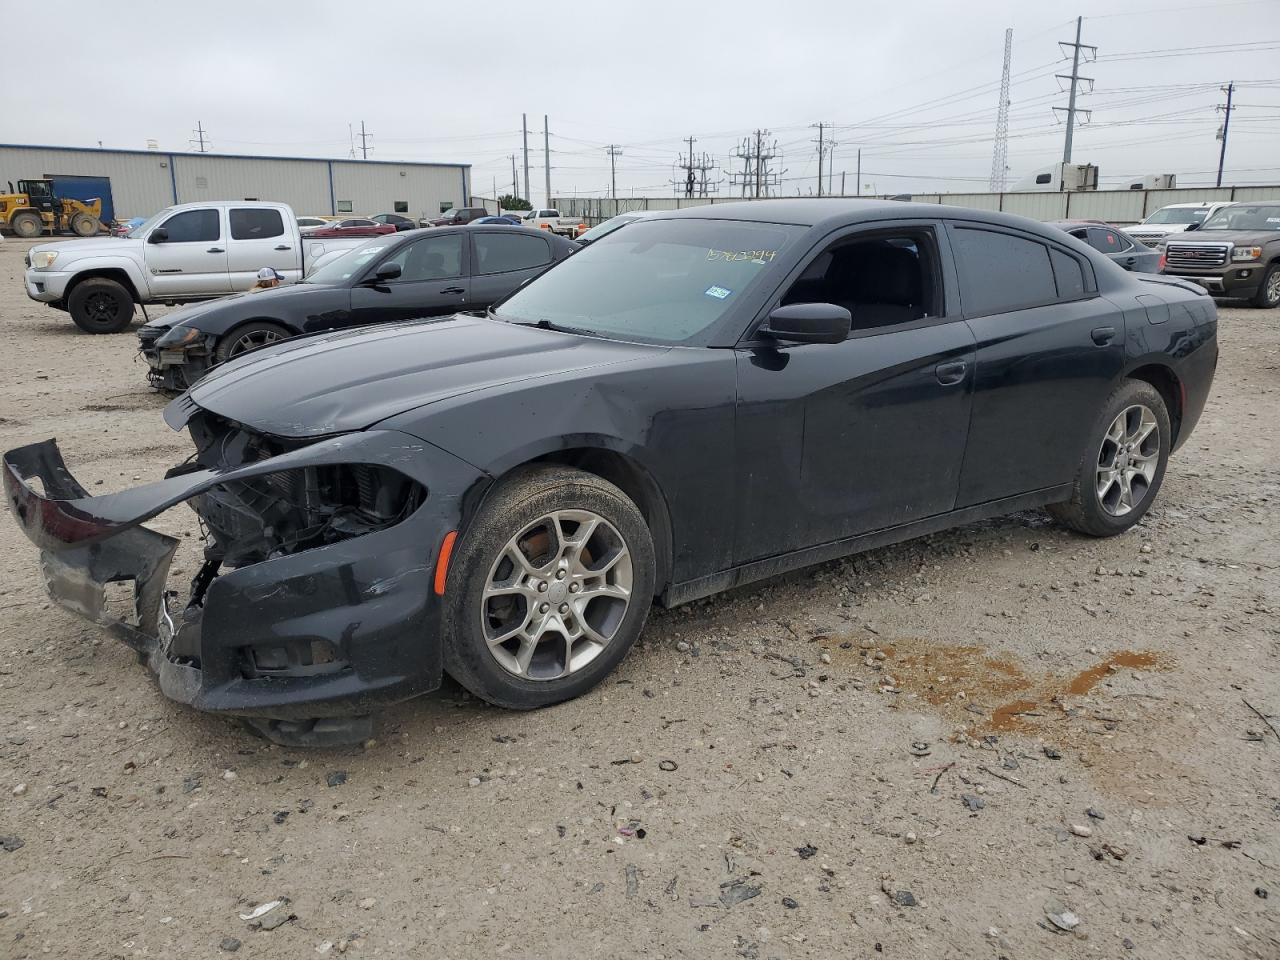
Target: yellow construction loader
35,207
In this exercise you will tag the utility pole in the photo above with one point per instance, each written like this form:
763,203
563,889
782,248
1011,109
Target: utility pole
199,142
515,182
546,156
857,184
821,149
524,127
614,152
758,173
1074,79
842,183
1226,125
364,142
1000,153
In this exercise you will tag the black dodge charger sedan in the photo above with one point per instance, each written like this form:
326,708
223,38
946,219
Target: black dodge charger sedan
398,276
705,398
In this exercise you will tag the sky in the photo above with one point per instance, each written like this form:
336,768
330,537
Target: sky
914,85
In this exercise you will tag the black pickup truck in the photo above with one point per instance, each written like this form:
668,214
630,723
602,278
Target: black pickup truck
1234,254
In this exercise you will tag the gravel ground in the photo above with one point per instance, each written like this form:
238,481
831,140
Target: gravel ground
931,750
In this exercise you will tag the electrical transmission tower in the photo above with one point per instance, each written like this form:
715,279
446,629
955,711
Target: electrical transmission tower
1070,109
693,180
1000,151
759,175
200,138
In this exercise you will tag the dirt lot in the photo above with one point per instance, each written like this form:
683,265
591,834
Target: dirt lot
921,752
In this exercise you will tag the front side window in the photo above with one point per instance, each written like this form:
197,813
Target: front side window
256,224
504,252
658,281
882,281
431,258
193,226
1001,272
351,263
1242,216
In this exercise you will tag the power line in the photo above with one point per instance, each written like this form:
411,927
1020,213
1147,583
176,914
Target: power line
1000,150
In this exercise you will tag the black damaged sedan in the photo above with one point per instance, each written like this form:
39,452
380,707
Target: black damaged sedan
399,276
705,398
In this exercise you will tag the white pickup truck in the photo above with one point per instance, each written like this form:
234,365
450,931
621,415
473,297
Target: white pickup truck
192,251
545,219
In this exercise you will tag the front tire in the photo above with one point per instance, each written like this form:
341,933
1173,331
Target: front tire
1123,465
548,588
84,225
100,305
251,336
1268,295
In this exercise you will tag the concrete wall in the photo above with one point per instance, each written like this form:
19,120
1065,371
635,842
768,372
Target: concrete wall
144,181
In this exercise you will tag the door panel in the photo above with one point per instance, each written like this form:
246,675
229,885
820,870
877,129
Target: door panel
258,238
193,261
840,439
1041,380
433,282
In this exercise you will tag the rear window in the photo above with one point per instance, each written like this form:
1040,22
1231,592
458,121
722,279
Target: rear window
256,224
1001,272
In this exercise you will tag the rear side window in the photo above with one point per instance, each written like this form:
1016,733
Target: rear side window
505,252
1001,272
193,226
1069,275
256,224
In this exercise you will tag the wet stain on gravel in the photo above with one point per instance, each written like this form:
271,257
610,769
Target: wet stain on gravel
988,692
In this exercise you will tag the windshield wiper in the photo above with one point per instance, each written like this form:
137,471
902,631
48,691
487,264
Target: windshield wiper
545,324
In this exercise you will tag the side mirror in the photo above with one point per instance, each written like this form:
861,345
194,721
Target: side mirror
387,271
1191,226
809,323
158,235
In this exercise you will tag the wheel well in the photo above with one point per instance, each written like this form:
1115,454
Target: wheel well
1170,389
119,276
633,480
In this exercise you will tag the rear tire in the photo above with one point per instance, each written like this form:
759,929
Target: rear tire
572,607
26,225
250,336
1122,467
1268,295
100,305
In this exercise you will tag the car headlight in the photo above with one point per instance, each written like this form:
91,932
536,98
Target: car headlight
43,259
1240,254
179,337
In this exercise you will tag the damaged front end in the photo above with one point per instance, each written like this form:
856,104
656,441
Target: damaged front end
313,604
172,368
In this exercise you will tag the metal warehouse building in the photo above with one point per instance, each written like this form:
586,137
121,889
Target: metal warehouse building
144,181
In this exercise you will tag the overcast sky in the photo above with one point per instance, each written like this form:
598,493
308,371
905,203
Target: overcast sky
915,85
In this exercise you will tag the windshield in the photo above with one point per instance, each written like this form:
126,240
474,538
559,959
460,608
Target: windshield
352,262
610,225
142,229
1245,216
1176,215
658,281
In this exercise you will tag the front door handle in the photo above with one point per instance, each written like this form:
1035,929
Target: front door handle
950,373
1103,335
454,290
215,250
284,246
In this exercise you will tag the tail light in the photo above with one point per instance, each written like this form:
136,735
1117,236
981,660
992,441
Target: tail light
1160,265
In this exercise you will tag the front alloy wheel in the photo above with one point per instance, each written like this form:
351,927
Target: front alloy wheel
556,595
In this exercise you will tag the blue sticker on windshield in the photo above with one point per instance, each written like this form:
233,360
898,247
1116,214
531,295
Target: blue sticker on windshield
718,292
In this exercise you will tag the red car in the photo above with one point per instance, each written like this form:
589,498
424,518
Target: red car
355,227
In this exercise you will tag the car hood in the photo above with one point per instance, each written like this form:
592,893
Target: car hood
1241,238
193,310
89,247
348,380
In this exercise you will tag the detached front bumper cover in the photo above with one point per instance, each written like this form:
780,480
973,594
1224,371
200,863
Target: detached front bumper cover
368,599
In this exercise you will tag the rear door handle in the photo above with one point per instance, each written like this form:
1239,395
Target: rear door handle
284,246
215,250
454,290
1103,335
950,373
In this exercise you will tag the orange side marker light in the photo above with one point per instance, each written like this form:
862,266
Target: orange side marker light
442,564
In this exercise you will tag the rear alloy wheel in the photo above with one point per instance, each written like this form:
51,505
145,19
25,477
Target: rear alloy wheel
548,589
251,336
1268,295
1122,470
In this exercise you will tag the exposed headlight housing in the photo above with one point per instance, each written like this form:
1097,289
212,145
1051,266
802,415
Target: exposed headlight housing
43,259
179,336
1245,254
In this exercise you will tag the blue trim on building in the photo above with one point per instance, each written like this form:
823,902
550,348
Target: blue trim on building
173,177
333,204
225,156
